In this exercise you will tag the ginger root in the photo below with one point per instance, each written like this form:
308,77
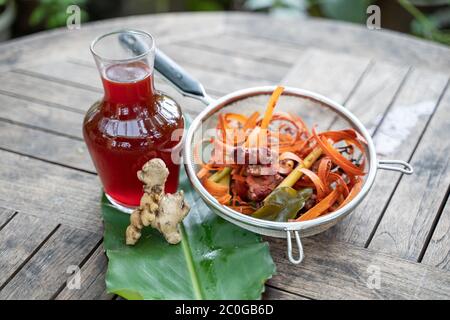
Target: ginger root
157,209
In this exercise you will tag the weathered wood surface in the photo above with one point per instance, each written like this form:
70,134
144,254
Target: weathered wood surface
437,253
19,239
48,270
330,74
333,270
92,276
375,93
272,293
416,205
49,193
5,216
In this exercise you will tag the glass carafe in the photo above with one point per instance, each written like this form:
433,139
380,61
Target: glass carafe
133,123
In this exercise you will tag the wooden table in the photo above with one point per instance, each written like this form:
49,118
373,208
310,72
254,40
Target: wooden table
397,85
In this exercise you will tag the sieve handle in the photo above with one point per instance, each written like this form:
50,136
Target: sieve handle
179,78
289,247
396,165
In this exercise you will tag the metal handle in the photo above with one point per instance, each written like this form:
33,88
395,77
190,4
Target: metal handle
179,78
289,247
169,69
396,165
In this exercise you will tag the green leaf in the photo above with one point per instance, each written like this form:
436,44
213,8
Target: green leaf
283,204
57,20
37,16
429,2
346,10
215,259
204,5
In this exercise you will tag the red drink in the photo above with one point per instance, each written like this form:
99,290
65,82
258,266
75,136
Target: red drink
131,125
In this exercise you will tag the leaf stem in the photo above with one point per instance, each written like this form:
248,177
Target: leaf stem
296,174
190,264
216,177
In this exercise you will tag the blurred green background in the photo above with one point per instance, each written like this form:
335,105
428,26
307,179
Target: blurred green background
429,19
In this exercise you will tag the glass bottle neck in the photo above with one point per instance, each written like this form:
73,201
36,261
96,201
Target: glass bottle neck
128,84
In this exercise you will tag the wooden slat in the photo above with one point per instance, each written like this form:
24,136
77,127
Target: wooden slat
221,83
47,270
334,270
309,73
408,219
93,285
47,92
5,216
276,294
47,146
419,94
250,47
82,74
41,116
375,93
332,75
19,239
220,62
48,191
438,251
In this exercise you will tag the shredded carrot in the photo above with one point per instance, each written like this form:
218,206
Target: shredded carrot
202,173
238,177
271,106
324,171
318,183
246,209
214,188
355,190
291,156
224,199
321,207
334,177
251,121
223,126
241,119
337,158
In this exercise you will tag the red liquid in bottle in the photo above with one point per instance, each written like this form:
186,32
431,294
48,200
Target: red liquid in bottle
131,125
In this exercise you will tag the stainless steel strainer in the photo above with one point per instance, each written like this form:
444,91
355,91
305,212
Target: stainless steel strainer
314,108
